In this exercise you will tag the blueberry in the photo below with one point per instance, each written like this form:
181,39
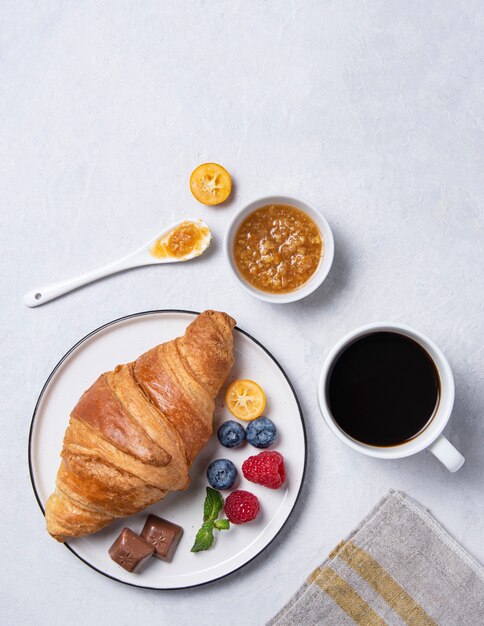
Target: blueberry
261,432
221,474
231,434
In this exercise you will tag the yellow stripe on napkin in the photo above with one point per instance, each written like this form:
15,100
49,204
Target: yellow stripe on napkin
380,580
345,597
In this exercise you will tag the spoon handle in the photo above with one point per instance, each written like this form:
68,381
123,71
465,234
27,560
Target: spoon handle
41,295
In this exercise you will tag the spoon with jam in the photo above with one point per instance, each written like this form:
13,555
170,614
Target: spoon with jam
182,241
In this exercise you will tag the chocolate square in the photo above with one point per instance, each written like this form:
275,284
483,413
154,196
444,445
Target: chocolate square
163,535
129,550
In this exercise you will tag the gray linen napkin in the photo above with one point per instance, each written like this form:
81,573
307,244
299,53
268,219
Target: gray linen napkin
398,567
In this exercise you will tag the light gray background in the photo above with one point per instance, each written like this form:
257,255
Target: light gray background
371,110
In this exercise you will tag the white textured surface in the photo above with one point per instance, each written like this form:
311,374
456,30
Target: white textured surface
371,110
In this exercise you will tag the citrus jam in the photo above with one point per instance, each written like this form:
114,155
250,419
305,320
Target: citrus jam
277,248
186,238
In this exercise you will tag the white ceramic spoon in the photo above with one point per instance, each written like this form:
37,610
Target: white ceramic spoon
142,256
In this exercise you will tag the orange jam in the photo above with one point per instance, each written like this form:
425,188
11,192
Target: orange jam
183,240
278,248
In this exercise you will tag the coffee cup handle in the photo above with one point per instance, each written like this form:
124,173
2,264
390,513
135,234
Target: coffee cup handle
447,453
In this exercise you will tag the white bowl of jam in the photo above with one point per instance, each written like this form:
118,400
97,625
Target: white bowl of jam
280,249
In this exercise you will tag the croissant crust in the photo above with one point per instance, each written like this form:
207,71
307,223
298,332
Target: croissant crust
135,432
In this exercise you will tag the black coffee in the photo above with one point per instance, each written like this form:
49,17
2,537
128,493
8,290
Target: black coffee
383,389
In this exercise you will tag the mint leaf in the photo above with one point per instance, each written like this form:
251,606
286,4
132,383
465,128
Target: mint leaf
204,537
212,505
222,524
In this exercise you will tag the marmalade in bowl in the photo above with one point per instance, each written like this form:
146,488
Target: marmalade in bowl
277,248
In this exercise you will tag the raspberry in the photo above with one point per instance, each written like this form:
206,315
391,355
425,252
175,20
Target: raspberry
241,507
265,468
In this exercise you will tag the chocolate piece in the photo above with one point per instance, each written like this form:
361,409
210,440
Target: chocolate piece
163,535
129,550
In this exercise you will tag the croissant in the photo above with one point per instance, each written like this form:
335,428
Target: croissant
135,432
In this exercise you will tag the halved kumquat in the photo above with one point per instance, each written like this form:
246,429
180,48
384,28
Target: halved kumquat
245,399
210,183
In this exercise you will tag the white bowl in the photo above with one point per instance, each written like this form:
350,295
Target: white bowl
324,265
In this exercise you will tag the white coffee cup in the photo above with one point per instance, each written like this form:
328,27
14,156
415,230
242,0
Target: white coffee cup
431,437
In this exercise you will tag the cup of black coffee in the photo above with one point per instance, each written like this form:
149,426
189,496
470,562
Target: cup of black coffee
387,390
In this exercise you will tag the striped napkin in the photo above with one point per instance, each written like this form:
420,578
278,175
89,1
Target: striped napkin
399,567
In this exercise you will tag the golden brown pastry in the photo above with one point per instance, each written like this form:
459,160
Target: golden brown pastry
135,432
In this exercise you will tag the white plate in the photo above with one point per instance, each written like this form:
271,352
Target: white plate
121,341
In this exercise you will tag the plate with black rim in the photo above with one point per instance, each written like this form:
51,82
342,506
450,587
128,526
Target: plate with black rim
121,341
